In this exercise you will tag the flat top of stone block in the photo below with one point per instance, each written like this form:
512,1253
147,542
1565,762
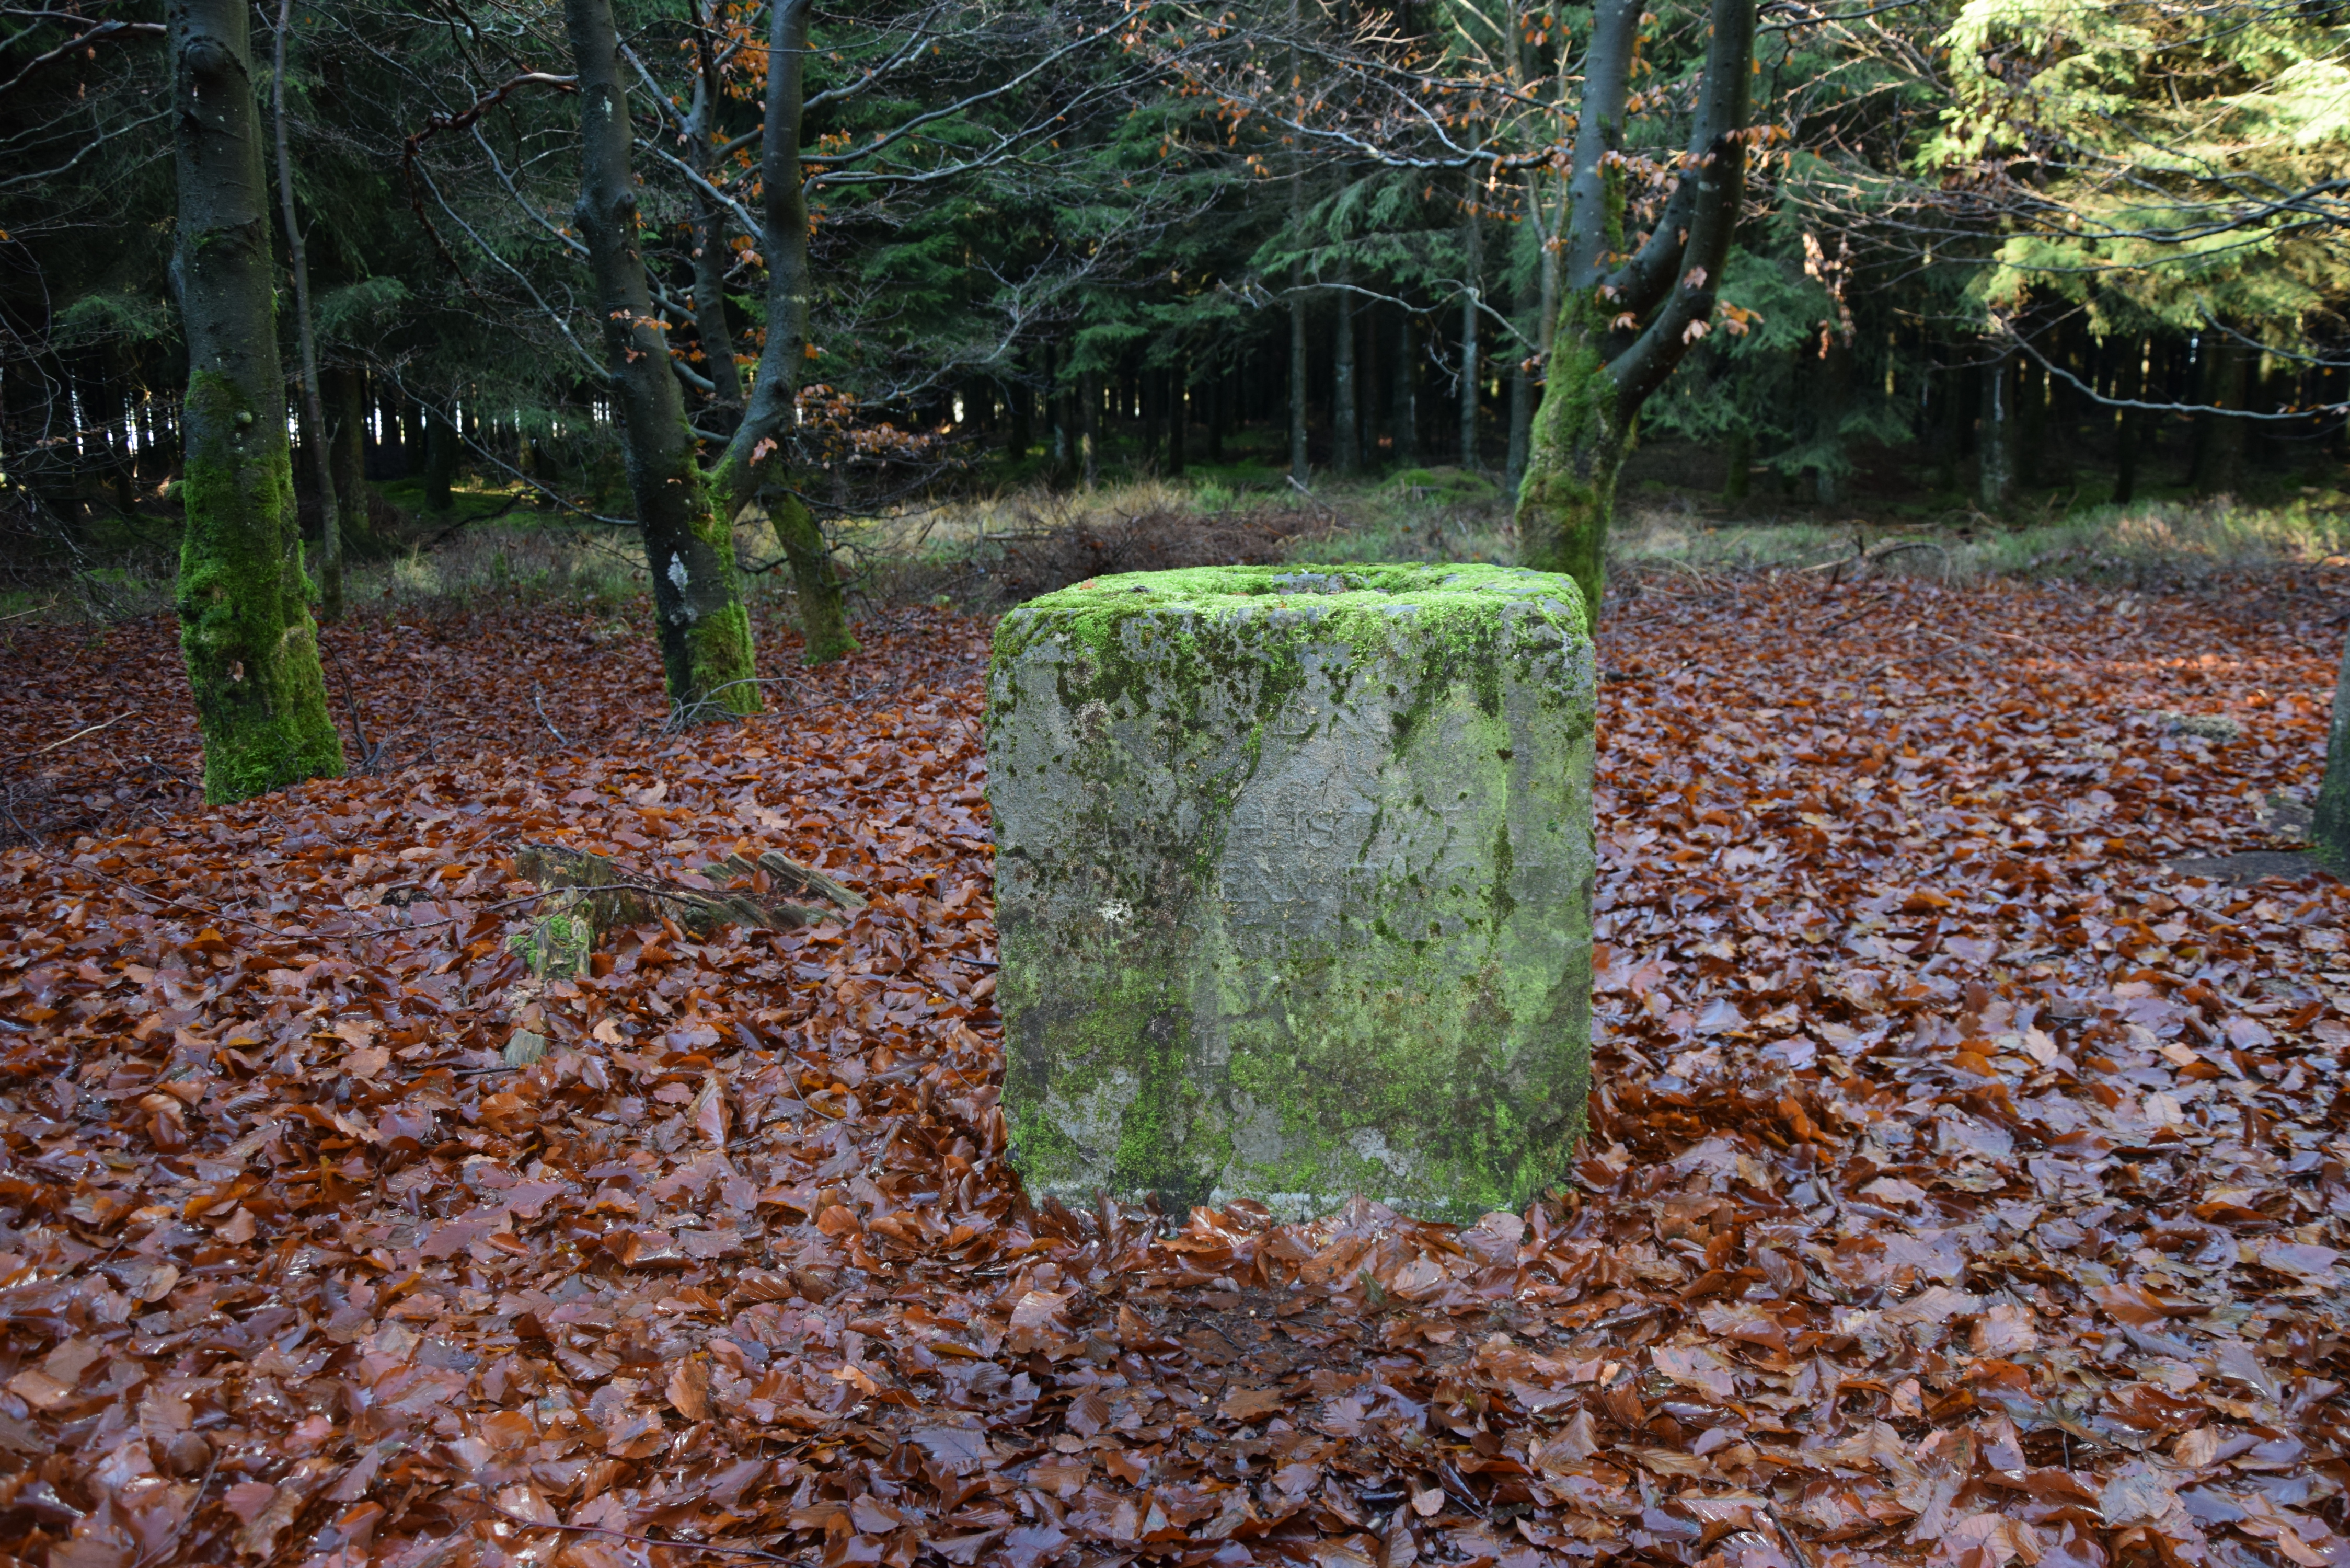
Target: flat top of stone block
1400,586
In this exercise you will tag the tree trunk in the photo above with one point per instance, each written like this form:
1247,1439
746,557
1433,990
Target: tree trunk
710,253
440,459
1660,298
2225,364
1089,400
1346,391
1522,419
2329,829
2029,384
1830,378
705,631
1738,477
1178,413
1995,465
1299,473
246,632
344,393
1471,368
1020,438
2130,385
319,439
1404,407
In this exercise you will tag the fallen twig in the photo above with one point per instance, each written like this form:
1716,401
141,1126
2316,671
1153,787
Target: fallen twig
543,719
77,735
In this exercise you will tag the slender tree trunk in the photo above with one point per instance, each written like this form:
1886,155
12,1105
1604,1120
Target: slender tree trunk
330,531
1178,413
1216,401
1522,402
1830,376
1596,379
440,459
2225,365
1738,475
344,393
1404,405
1345,391
1521,420
2329,829
703,629
2131,385
1300,474
1995,463
710,253
2030,384
245,632
1472,369
1090,401
1021,436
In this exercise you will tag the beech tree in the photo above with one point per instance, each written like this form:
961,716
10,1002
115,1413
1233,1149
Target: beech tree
251,648
1625,319
686,515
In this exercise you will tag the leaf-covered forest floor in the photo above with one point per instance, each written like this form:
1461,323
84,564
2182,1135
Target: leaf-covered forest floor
1966,1186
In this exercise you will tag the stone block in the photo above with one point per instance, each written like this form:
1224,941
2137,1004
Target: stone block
1294,885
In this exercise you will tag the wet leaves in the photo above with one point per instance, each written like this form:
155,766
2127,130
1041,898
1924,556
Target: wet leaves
1965,1187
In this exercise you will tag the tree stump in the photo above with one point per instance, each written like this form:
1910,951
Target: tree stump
1294,885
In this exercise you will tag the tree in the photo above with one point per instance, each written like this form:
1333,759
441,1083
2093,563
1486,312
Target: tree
2329,829
688,534
1623,326
313,407
246,632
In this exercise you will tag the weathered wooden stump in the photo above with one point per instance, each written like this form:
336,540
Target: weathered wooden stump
1294,885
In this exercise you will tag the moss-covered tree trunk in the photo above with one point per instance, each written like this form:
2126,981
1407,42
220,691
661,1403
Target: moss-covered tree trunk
1625,322
244,620
705,631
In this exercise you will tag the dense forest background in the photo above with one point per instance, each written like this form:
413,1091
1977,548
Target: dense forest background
1994,260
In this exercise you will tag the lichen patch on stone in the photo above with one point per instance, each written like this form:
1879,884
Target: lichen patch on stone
1294,880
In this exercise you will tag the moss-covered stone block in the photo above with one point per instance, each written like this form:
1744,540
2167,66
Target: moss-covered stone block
1294,885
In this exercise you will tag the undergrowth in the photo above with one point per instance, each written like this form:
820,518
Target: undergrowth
987,551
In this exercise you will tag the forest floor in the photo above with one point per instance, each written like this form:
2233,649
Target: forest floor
1967,1184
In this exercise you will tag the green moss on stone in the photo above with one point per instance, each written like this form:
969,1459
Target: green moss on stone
1406,1016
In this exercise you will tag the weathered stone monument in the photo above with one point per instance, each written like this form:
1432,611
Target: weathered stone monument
1294,885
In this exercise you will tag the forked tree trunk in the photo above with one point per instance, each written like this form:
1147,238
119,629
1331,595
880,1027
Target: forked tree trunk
1620,332
746,469
703,629
246,632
